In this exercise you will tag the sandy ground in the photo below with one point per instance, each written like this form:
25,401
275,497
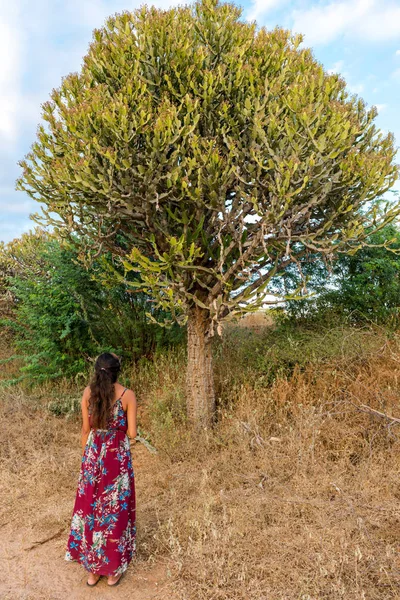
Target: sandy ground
42,573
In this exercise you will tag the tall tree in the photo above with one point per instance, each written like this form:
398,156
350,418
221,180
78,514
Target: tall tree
208,154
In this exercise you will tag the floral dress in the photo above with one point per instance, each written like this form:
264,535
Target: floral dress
103,529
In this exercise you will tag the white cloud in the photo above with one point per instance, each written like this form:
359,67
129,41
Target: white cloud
323,23
24,207
337,67
368,20
381,23
11,45
355,88
380,107
396,74
10,231
49,39
262,7
397,53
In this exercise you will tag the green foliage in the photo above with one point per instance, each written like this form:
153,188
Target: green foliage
65,314
207,154
15,257
364,286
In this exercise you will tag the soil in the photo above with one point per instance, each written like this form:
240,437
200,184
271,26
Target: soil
42,573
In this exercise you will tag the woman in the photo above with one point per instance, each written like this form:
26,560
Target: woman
103,530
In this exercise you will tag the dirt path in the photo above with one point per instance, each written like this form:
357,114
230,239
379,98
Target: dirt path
42,573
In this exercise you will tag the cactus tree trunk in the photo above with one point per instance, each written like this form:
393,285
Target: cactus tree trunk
200,396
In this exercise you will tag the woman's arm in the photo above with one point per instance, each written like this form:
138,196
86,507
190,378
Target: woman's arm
131,411
85,418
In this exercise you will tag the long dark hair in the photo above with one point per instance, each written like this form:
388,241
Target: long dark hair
106,369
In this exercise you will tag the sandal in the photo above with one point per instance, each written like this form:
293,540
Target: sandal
93,584
117,582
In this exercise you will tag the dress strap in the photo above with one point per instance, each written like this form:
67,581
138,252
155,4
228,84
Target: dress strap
119,398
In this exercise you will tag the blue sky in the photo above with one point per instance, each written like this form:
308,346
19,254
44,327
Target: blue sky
44,40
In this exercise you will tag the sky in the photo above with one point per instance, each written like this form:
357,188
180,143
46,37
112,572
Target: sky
44,40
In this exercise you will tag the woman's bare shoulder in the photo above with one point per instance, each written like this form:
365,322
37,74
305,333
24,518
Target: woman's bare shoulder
86,395
126,398
129,396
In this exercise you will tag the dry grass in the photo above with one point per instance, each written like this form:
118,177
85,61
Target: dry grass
294,494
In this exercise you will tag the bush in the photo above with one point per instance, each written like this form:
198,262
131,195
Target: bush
363,287
64,314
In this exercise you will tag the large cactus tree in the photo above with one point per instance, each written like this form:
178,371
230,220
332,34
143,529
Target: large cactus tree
207,154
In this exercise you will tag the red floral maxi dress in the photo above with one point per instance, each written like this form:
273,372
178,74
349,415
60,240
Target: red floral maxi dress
103,529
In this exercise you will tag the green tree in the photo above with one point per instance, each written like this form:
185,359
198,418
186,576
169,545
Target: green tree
18,256
63,314
364,286
368,282
208,154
